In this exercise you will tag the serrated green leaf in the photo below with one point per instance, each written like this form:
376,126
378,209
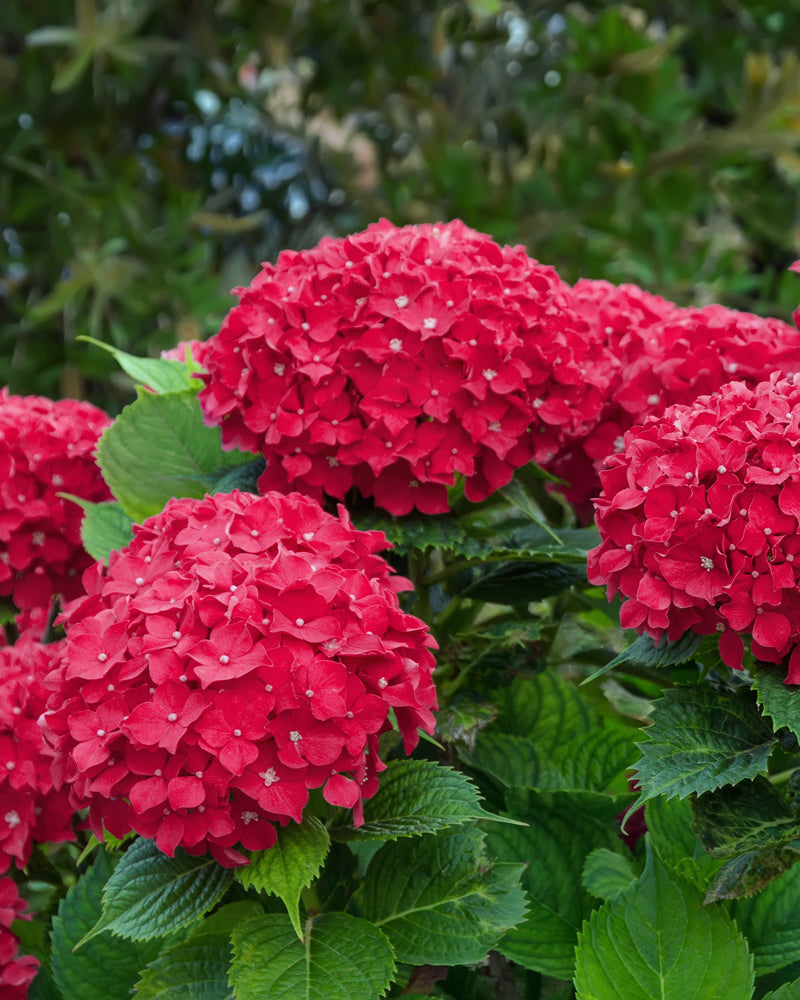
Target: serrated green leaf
158,448
151,894
157,374
749,816
607,873
789,991
546,709
103,969
105,527
196,969
415,797
590,764
778,700
519,583
563,830
700,740
655,941
771,923
646,652
290,865
439,900
749,873
343,958
669,829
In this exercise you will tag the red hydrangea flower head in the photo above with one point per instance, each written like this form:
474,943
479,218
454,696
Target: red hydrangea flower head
699,520
31,810
397,358
16,971
666,355
239,652
46,448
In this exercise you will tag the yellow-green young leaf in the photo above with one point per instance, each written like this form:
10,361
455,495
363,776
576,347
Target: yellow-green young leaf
151,894
159,448
104,968
342,958
563,830
656,941
105,527
700,740
438,898
158,374
416,796
290,865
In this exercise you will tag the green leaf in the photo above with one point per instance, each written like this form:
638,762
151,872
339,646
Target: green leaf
519,583
771,923
563,830
105,527
590,764
290,865
157,374
546,709
439,900
778,700
415,797
655,941
196,969
700,740
749,873
747,817
151,894
516,494
606,873
646,652
789,991
103,969
158,448
669,829
343,958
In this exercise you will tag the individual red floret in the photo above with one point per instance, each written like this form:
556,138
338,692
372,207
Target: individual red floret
16,971
46,448
665,355
239,652
398,358
31,810
699,522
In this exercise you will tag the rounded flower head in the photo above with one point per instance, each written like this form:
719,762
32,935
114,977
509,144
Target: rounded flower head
46,448
394,359
31,810
16,971
699,522
666,355
239,652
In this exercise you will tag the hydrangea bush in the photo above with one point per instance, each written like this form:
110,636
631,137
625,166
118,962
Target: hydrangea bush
324,700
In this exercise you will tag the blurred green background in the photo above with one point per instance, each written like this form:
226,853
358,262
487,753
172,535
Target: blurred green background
153,153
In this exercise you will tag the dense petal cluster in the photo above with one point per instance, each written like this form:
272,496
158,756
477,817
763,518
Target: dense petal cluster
31,810
395,359
699,520
46,448
666,355
16,971
239,652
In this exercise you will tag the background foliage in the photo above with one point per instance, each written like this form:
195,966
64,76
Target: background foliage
153,153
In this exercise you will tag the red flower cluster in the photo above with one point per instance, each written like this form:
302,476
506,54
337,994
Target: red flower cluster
31,810
666,355
394,359
16,971
699,522
240,651
46,448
